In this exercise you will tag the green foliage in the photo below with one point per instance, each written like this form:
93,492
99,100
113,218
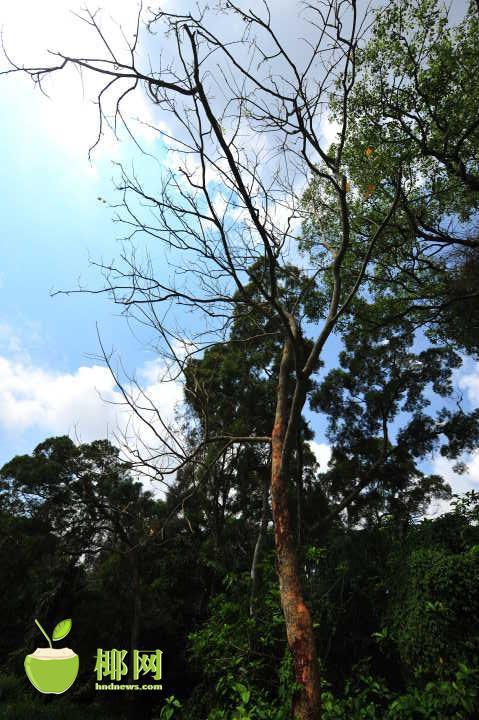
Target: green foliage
415,104
366,698
168,711
413,112
240,703
457,698
403,596
245,663
414,594
435,614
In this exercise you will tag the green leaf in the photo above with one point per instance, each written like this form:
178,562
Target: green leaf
62,629
243,692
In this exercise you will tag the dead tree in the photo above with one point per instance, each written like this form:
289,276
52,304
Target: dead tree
240,120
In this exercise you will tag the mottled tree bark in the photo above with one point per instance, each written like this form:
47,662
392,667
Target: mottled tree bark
299,627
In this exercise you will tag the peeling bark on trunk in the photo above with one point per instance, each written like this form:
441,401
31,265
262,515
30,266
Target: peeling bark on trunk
299,628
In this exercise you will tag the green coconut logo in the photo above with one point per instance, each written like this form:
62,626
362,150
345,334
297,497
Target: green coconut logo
52,670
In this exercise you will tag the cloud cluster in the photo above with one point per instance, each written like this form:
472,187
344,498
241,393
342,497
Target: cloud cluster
322,453
469,382
85,404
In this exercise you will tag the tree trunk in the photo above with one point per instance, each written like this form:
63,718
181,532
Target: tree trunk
299,487
257,549
299,628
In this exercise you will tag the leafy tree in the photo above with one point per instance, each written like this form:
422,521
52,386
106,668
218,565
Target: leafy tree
379,427
415,104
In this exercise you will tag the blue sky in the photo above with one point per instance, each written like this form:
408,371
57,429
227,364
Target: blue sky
52,223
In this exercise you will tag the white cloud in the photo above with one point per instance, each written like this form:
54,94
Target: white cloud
328,131
82,403
56,403
322,453
468,380
53,402
459,483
